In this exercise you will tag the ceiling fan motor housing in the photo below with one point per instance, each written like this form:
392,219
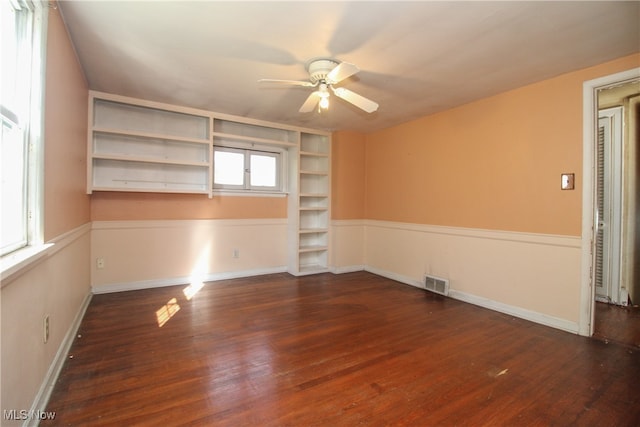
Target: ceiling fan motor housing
319,68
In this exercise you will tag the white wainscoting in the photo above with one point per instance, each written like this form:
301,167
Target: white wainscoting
144,254
347,250
527,275
53,284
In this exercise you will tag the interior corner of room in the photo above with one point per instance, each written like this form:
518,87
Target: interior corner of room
470,191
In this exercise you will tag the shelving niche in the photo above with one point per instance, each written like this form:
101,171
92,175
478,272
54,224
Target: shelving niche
229,131
146,147
313,204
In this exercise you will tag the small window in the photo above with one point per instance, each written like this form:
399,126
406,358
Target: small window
247,170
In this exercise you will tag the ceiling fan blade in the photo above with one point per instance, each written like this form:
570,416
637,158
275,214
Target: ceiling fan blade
288,82
358,100
311,102
341,71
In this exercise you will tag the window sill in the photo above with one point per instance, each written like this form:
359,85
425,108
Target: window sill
246,193
21,259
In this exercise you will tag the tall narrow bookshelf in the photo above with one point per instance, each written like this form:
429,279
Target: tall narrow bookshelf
313,203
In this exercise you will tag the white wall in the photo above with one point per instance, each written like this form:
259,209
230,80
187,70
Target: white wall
347,245
143,254
57,285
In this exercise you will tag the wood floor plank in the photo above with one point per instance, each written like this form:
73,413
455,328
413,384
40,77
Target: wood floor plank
618,324
343,350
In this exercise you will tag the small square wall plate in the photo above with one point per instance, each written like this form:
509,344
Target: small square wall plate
568,181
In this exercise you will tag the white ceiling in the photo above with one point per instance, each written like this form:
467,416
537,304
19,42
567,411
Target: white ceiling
416,58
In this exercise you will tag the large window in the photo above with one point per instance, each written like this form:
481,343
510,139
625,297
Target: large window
23,27
247,169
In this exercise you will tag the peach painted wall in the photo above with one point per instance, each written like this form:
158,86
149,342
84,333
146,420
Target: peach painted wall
114,206
347,175
66,202
57,284
491,164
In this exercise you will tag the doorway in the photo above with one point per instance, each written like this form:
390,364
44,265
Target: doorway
610,225
609,175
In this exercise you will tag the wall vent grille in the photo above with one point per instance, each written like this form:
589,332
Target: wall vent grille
436,285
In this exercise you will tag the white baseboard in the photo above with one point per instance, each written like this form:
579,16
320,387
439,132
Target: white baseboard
51,377
212,277
521,313
347,269
395,276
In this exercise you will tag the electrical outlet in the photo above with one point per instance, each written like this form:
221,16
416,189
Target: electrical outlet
100,263
236,253
46,329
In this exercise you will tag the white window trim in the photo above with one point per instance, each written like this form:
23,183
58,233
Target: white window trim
36,128
30,253
10,122
282,178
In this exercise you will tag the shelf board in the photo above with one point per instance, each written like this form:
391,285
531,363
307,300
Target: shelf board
312,230
312,248
315,195
125,158
313,154
253,139
309,172
312,269
149,135
313,208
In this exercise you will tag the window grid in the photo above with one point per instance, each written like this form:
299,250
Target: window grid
247,170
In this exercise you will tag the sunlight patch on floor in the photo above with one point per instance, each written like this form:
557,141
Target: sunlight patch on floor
192,289
167,311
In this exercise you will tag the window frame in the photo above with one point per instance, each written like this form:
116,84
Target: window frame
281,156
10,123
30,120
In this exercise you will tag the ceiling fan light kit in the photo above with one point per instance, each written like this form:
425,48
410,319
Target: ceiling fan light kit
323,74
324,97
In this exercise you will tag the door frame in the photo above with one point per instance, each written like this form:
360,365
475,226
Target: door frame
589,131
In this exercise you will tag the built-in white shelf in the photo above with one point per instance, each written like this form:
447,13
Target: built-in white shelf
312,269
141,146
313,208
229,130
313,230
151,135
144,146
132,158
313,248
313,203
230,138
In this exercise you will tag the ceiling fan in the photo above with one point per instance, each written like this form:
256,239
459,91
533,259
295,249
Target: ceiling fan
323,74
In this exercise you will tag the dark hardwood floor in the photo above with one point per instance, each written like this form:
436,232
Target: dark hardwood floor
618,324
337,350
